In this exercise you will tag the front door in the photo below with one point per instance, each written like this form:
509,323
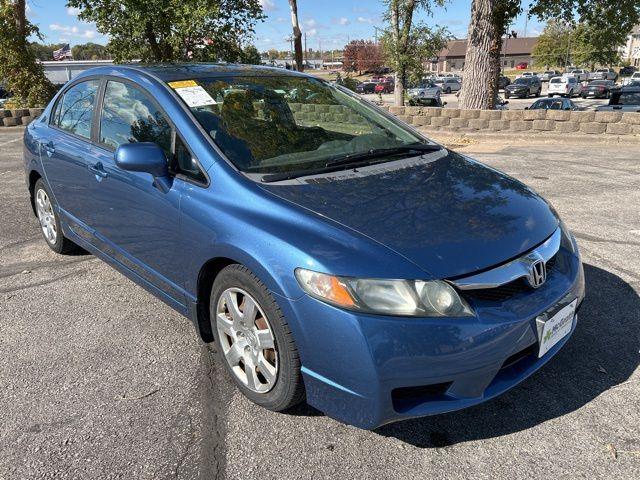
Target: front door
134,222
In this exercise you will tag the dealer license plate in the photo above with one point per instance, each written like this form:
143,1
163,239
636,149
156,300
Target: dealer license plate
557,327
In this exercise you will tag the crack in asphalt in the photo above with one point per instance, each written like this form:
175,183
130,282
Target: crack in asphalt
18,268
593,238
43,282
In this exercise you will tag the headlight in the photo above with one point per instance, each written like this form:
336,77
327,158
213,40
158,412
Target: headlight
414,298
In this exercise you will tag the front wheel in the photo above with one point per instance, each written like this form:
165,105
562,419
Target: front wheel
506,95
50,221
254,340
448,90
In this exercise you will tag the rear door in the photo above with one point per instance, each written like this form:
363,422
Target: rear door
65,152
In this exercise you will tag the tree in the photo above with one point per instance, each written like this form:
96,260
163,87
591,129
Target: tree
24,76
90,51
552,49
362,56
297,35
173,30
44,52
251,56
406,47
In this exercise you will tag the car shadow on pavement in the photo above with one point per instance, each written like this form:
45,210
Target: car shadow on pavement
602,353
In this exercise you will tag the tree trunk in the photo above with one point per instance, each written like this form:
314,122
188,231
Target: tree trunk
496,47
21,19
297,35
479,67
398,95
156,51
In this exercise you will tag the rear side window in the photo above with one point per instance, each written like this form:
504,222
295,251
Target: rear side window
129,116
74,111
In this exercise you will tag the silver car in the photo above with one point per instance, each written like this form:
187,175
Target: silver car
424,92
448,85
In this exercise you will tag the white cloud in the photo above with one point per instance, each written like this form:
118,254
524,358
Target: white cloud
341,21
73,31
73,11
310,23
312,32
368,20
268,5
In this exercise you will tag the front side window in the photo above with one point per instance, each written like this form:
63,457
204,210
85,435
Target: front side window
282,123
74,111
128,116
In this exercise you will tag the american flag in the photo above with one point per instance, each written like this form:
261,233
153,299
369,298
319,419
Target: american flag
62,53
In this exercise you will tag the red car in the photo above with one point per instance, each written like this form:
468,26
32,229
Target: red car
385,86
522,66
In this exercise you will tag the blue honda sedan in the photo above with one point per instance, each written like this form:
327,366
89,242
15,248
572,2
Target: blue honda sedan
334,254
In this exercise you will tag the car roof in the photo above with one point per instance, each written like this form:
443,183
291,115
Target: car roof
630,89
181,71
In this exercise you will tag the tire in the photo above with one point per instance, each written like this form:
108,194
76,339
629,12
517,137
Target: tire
50,221
550,95
286,388
448,90
506,95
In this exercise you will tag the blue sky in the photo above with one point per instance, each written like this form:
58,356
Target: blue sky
328,24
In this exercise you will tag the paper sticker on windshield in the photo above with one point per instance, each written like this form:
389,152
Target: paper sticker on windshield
192,93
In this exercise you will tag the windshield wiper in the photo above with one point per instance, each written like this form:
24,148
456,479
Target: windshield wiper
355,159
382,152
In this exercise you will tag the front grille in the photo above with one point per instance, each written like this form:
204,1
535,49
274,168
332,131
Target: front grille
507,290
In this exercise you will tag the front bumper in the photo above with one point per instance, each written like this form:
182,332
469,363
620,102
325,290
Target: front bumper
368,370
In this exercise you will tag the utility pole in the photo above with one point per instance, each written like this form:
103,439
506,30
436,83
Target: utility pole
375,33
305,46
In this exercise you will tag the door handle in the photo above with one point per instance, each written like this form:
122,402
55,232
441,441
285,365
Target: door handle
49,148
98,170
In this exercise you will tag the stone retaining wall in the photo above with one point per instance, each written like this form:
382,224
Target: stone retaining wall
534,121
19,116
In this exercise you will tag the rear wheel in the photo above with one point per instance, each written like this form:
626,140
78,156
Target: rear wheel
50,221
254,340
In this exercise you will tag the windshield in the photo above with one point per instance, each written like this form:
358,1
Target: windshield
521,81
626,98
277,124
598,83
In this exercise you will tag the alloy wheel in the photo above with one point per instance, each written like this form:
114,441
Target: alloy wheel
47,219
247,340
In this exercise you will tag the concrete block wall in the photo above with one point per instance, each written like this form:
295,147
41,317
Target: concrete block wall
519,121
19,116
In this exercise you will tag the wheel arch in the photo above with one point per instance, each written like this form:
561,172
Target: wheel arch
34,176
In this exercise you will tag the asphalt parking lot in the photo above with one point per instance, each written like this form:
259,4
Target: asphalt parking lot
99,379
514,103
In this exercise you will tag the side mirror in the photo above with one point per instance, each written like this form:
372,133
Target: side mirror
526,108
145,157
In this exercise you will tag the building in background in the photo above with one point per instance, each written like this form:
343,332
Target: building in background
514,51
631,51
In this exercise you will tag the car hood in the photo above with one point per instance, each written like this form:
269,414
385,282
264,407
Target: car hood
446,213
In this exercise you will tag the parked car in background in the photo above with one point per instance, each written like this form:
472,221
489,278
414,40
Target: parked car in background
422,284
565,86
598,89
366,87
522,66
503,81
553,104
428,102
548,75
448,85
423,92
635,77
603,74
626,99
523,87
627,71
385,86
527,75
580,74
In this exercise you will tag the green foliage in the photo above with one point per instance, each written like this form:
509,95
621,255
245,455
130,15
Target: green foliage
251,55
90,51
44,52
24,77
407,45
421,44
173,30
581,45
